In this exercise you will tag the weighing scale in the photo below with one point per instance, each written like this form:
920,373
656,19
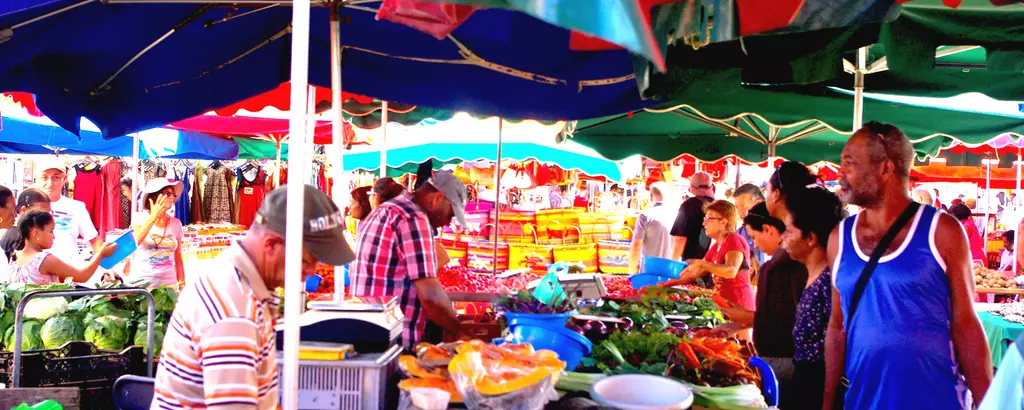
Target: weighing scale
580,285
371,324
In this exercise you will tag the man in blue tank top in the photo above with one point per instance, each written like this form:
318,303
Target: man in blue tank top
914,341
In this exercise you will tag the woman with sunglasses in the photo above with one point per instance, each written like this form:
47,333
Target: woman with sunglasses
158,259
728,258
812,214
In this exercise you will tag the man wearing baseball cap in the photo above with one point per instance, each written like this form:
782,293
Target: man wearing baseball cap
71,217
220,347
396,254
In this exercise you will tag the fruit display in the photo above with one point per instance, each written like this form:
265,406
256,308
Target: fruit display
992,279
1011,312
465,280
484,375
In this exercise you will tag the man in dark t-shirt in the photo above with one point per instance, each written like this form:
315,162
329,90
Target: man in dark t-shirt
688,229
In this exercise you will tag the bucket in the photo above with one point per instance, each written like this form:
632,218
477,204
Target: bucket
550,320
642,280
662,266
569,345
125,246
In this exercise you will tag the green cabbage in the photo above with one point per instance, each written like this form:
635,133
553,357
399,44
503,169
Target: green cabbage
159,329
59,330
104,307
6,321
107,332
29,336
45,308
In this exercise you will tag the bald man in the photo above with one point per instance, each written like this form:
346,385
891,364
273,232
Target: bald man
690,242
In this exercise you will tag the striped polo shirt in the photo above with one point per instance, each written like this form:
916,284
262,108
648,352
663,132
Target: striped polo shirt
220,348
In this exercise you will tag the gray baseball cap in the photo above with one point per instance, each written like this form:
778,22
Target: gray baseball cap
454,190
323,224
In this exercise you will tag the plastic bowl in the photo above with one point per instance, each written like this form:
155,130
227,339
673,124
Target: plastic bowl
551,320
662,266
641,392
642,280
569,345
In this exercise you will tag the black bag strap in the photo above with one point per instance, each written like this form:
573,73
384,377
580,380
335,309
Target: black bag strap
883,245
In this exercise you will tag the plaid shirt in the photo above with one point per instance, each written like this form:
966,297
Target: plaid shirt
394,249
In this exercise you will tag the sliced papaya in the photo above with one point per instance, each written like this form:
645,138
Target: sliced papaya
441,384
411,366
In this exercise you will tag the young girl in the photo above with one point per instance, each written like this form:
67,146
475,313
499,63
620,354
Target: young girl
33,264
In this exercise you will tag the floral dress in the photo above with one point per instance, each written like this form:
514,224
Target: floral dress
812,316
29,272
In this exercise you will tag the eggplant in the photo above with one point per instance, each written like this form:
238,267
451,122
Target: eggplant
627,325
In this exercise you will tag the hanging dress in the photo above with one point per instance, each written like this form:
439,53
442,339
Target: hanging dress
89,189
251,191
217,196
111,213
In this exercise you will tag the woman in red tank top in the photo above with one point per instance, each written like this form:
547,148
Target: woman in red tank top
727,260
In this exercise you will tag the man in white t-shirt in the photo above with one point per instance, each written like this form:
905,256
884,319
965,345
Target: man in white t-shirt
71,217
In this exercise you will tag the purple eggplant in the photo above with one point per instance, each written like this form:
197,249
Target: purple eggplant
575,328
627,324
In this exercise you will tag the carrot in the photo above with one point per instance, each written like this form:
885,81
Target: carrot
720,301
689,355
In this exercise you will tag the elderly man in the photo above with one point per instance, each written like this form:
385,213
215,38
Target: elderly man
220,347
688,228
397,256
651,234
71,216
903,331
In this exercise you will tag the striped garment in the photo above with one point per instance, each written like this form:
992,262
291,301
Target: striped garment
220,347
395,249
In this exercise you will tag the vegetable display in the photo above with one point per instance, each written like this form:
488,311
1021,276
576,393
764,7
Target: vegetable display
525,302
662,308
108,322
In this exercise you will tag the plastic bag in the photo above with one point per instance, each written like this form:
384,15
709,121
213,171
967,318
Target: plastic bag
511,377
436,19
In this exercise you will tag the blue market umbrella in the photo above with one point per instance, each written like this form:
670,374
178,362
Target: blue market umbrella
181,60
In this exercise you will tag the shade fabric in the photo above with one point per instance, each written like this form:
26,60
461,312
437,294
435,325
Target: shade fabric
1001,178
26,137
252,148
518,66
280,98
719,99
1002,144
274,128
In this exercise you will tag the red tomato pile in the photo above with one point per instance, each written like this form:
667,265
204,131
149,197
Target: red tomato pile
465,280
618,287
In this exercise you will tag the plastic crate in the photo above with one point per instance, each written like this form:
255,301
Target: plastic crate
360,382
76,364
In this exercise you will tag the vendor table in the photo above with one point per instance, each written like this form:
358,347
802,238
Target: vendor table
1000,334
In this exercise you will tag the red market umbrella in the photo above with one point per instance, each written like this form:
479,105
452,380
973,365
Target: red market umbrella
274,128
279,98
1002,144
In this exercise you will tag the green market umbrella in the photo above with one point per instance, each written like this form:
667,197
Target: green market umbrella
717,116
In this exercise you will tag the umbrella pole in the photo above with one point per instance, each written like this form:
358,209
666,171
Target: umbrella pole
384,139
340,190
135,178
858,88
277,147
497,197
1016,212
988,198
298,129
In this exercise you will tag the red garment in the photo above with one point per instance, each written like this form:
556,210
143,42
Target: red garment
111,214
737,289
250,196
976,241
89,190
581,202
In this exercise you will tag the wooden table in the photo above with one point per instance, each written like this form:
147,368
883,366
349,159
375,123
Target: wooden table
1000,291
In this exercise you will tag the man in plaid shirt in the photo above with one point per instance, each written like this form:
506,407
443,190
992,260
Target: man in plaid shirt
395,254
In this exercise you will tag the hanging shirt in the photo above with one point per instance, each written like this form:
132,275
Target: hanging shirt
154,260
72,223
217,196
899,350
182,207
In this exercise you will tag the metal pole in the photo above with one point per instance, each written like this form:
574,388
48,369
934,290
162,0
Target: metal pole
384,139
136,199
297,129
1016,213
858,88
340,191
497,196
988,198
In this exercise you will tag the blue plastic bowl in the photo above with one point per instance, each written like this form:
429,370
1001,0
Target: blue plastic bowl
662,266
642,280
550,320
570,346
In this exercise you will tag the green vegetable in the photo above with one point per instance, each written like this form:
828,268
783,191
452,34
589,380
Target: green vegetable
107,332
6,321
165,297
59,330
29,336
635,349
159,329
572,381
45,308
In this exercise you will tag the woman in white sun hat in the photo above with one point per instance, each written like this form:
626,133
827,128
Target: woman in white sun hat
158,233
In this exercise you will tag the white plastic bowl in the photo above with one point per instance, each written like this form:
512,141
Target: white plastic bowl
642,392
428,398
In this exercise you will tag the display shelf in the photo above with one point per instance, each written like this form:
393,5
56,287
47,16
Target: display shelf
1000,291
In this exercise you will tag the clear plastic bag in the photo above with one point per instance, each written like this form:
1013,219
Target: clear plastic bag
513,377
